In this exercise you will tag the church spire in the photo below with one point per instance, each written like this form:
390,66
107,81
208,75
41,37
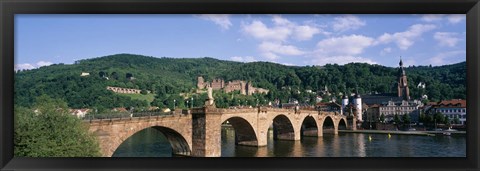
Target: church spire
403,90
401,63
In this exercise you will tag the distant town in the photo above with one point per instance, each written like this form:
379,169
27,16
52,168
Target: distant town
378,111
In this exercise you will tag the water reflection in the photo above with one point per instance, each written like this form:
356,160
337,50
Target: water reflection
152,143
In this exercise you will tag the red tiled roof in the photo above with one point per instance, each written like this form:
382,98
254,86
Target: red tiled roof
452,103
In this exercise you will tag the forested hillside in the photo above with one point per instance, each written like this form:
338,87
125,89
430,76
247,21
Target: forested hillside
168,77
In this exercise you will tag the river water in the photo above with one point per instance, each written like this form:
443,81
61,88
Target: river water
152,143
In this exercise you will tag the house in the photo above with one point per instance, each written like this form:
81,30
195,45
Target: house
120,109
153,108
80,113
454,108
329,107
84,74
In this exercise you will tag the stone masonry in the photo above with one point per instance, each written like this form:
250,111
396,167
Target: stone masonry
199,133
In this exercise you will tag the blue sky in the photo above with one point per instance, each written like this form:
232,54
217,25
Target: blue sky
286,39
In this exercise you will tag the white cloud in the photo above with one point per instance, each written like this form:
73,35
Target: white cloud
456,18
345,45
341,60
347,22
281,30
278,20
279,48
271,50
305,32
451,18
448,57
243,58
407,38
270,56
432,17
260,31
449,39
288,64
385,51
43,63
342,50
222,20
27,66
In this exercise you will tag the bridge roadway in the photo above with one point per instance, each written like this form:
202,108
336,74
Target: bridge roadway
198,132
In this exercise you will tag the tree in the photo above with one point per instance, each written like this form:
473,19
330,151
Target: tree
382,118
439,117
114,75
422,117
49,130
101,74
128,75
456,120
406,118
396,119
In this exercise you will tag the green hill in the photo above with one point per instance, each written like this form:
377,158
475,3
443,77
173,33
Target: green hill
167,77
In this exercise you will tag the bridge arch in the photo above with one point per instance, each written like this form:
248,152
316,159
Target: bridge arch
245,133
342,124
111,133
283,127
177,142
309,126
329,123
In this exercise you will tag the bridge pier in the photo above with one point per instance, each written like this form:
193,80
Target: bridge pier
206,134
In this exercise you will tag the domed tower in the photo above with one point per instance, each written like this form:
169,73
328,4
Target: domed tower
358,105
344,102
402,86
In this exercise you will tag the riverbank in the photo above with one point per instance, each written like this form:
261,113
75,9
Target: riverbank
425,133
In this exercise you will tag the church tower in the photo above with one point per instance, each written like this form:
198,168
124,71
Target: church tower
402,83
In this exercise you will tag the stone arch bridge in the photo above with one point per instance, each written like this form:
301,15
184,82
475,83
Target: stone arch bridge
198,133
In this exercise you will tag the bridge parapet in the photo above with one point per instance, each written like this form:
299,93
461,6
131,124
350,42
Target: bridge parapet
132,119
271,109
249,110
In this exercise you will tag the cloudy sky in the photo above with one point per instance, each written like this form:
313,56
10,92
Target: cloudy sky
286,39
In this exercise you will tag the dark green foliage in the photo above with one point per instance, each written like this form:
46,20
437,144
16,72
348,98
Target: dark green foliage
406,118
170,76
382,118
396,119
51,131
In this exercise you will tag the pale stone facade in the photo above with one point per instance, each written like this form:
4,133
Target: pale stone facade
111,133
124,90
198,133
244,87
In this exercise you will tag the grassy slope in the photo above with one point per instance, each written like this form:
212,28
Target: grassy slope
148,97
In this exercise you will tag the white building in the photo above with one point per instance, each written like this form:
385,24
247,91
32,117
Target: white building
400,108
455,108
80,113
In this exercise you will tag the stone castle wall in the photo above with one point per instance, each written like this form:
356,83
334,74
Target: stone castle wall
245,88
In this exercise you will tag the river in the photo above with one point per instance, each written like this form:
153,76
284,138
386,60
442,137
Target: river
152,143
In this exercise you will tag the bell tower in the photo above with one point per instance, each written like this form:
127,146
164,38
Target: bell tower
402,82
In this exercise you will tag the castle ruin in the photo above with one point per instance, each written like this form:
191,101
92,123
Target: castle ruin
244,87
